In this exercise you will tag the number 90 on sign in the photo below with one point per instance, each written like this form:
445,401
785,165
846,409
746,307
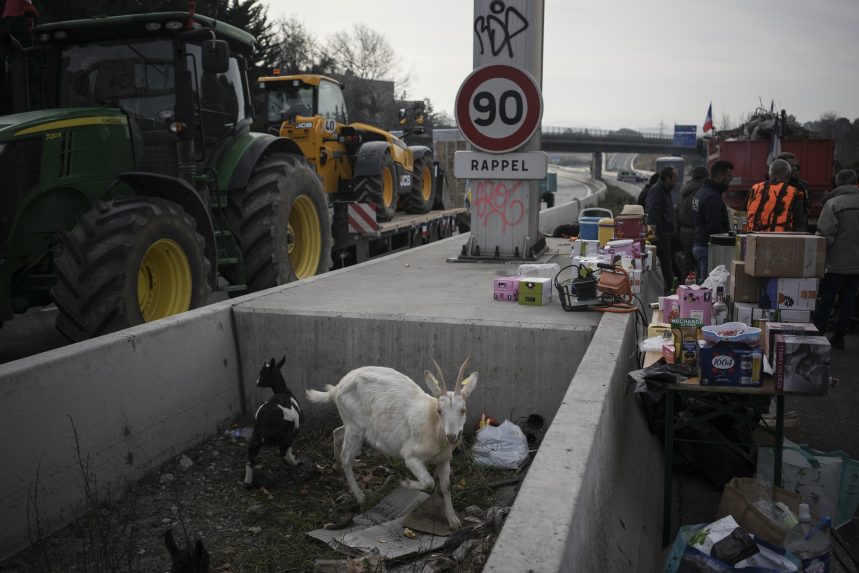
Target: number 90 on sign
498,108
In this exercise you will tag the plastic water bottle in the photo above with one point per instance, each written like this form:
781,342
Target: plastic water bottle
810,542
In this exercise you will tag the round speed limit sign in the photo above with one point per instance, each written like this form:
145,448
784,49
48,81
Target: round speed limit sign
498,107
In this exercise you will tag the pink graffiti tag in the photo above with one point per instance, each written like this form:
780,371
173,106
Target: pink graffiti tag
495,198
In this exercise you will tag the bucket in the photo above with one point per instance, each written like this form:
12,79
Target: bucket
605,232
589,220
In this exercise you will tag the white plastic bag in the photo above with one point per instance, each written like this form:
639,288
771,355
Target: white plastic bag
504,446
655,343
718,277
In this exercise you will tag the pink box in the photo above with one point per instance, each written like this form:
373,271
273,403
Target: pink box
628,247
506,289
696,302
666,303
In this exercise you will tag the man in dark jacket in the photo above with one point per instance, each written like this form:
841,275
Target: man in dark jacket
686,225
839,223
642,197
709,212
660,219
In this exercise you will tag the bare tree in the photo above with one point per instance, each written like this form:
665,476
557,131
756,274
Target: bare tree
294,46
725,123
365,52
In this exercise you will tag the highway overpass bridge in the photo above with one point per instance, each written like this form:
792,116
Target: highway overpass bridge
599,141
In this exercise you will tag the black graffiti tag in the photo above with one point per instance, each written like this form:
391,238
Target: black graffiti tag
499,32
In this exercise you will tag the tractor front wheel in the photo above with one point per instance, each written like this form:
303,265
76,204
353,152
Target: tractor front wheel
127,262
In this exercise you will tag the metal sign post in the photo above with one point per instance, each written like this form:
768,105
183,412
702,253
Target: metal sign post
498,110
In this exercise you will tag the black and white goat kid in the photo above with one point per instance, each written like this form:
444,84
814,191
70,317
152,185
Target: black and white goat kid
276,421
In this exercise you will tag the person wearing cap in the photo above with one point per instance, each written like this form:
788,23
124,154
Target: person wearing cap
659,212
686,231
839,223
775,206
797,183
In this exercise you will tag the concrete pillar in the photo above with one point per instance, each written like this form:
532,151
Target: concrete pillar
596,165
505,215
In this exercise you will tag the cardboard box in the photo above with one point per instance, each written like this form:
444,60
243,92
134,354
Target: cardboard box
585,248
792,430
787,293
695,302
668,353
635,280
801,364
667,304
770,329
744,287
687,332
730,364
750,314
629,227
535,291
506,289
785,255
657,329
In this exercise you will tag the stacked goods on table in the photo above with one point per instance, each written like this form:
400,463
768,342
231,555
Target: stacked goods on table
774,286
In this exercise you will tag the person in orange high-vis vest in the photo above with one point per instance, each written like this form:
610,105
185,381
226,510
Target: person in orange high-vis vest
774,205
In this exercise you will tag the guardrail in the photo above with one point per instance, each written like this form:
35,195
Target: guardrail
588,133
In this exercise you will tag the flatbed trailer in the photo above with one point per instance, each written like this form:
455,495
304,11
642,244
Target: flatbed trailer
359,238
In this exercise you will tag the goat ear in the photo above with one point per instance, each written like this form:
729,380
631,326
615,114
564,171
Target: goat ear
170,543
468,386
281,363
436,389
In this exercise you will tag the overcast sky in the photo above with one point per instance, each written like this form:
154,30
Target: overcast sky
633,63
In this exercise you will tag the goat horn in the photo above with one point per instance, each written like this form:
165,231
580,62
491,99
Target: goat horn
440,375
460,376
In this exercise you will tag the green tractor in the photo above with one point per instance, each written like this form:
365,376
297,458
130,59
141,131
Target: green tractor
137,188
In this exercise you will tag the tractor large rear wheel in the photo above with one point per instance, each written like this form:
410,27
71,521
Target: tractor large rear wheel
282,223
380,189
422,194
127,262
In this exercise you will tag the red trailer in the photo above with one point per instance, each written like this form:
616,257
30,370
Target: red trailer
814,156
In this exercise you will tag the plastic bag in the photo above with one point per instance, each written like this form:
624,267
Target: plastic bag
503,446
654,343
718,278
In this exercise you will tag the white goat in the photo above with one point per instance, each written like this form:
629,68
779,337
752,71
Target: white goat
387,410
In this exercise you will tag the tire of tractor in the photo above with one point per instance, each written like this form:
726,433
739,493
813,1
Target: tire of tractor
379,189
421,197
282,223
127,262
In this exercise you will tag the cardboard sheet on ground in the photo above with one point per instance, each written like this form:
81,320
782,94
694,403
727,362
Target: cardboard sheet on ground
381,528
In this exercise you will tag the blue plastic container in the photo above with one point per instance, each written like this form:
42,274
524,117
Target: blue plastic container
589,224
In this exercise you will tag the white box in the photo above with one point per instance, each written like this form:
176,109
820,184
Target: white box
635,280
788,293
585,248
748,313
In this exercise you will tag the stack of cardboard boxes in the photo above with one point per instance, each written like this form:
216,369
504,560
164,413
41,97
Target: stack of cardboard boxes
774,286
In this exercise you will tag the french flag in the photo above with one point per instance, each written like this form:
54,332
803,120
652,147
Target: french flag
708,123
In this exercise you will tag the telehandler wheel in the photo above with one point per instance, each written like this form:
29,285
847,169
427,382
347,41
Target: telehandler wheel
422,194
380,189
282,223
127,262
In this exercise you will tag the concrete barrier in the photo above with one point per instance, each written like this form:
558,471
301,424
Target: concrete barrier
569,212
590,501
137,398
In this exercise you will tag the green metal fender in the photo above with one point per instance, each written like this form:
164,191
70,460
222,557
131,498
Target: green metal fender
181,193
236,164
371,156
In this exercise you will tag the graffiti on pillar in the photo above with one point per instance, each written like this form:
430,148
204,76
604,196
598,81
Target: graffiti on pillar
502,25
498,199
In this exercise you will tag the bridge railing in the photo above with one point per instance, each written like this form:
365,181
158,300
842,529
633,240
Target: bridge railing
602,134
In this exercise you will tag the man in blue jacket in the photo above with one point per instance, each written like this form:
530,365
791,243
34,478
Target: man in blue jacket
709,213
660,220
